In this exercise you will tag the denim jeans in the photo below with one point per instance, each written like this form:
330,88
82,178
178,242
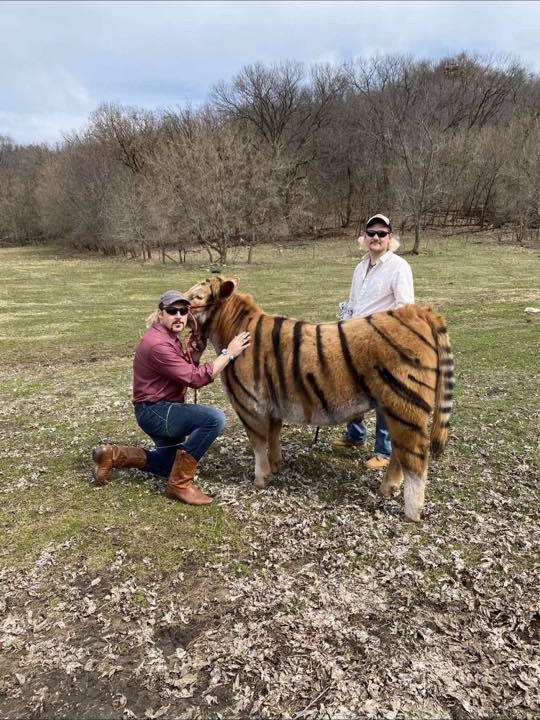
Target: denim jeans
173,426
357,432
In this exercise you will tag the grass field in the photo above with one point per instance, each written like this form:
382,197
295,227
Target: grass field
310,599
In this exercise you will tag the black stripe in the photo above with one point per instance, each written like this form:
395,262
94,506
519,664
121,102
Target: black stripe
419,382
402,354
447,363
257,352
442,330
240,383
448,396
355,375
445,408
422,456
446,349
449,384
414,332
250,427
318,392
270,385
445,424
403,391
276,344
234,395
407,423
297,372
320,351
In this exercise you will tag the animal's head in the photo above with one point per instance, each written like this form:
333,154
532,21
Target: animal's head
207,296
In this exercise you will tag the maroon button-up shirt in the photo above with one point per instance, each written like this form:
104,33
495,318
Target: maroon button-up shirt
162,371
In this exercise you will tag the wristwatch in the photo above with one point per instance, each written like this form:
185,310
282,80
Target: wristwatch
228,354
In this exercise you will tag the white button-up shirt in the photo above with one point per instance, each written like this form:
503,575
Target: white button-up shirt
386,286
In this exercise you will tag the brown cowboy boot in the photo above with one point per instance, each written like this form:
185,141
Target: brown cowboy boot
107,457
181,486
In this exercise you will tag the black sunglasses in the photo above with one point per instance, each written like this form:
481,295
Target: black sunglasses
379,233
177,311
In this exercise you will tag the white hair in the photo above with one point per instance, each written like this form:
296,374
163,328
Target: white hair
394,243
152,318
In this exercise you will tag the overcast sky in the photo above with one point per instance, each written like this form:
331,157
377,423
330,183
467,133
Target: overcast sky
60,60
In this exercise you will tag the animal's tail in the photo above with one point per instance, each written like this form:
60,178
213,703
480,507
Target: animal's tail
445,384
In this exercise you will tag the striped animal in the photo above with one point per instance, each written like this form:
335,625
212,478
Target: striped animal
329,373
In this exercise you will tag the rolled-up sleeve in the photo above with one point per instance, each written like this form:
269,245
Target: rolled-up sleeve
402,286
172,365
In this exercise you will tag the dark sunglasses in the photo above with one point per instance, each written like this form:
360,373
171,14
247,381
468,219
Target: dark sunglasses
379,233
177,311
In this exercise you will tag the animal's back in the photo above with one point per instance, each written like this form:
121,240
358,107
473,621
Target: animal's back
324,374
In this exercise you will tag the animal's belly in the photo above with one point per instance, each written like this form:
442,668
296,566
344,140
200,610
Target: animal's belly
296,414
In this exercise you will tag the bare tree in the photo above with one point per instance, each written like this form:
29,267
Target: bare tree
286,107
19,214
215,183
281,151
417,108
129,133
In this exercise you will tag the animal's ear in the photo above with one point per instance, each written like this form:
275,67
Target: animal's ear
227,288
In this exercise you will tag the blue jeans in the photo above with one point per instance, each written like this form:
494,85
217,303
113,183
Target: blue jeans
357,432
169,424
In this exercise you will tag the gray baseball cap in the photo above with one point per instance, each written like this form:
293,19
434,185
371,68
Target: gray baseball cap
170,297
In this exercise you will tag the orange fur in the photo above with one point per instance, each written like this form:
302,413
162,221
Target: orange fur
329,373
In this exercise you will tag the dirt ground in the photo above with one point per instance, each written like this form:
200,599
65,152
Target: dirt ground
333,608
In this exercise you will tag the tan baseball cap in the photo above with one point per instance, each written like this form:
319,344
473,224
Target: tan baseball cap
379,218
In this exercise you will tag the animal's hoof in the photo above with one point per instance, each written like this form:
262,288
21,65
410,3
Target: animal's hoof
262,482
388,490
415,519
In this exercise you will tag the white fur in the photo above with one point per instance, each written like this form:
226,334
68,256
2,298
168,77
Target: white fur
413,494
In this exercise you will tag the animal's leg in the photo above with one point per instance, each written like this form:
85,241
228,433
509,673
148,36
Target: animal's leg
408,430
393,478
413,494
259,443
274,445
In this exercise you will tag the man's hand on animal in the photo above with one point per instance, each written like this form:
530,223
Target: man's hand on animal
239,343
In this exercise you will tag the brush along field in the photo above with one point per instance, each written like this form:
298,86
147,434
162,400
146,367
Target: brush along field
312,599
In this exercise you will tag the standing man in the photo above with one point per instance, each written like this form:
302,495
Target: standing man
182,432
382,281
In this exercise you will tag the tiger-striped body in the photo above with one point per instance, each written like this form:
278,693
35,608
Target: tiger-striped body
330,373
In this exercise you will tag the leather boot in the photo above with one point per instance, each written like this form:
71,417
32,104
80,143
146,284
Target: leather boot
181,486
107,457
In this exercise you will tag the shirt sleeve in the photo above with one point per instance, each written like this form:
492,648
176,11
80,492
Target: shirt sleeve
402,286
349,305
172,365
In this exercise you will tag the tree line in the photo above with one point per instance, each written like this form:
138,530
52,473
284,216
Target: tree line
284,151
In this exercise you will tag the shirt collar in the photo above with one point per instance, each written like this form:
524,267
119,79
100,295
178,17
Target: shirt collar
382,259
163,331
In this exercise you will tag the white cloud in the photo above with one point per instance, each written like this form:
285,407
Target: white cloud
60,60
47,88
28,127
